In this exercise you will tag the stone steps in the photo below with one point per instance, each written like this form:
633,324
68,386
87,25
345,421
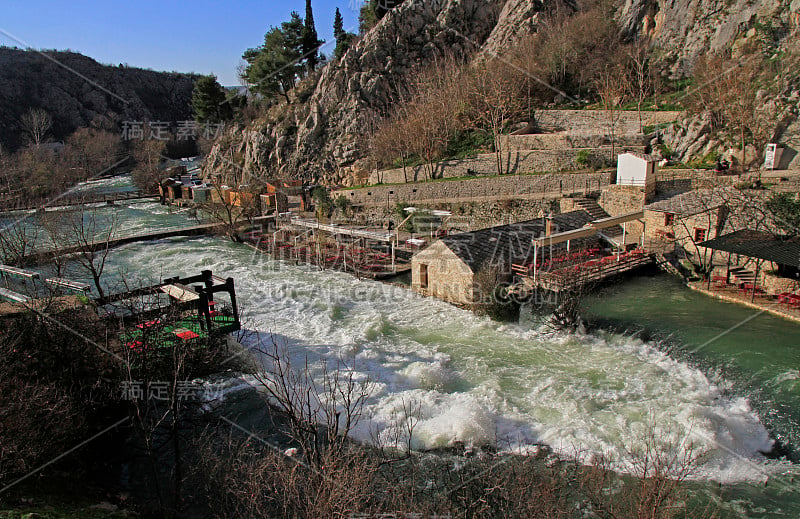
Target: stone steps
592,207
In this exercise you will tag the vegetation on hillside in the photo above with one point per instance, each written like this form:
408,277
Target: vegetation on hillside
289,53
740,90
575,58
45,80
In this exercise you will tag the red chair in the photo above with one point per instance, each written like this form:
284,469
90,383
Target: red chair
720,281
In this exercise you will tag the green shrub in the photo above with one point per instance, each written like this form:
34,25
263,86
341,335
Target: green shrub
583,158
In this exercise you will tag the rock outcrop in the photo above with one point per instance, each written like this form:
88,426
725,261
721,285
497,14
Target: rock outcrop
321,135
685,29
322,139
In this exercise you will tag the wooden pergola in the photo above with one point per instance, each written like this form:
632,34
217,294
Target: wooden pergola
586,231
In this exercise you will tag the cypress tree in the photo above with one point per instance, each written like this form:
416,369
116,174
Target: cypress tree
311,42
338,26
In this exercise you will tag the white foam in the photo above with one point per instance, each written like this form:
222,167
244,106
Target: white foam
474,380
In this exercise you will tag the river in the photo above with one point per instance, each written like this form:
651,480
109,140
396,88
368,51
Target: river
520,384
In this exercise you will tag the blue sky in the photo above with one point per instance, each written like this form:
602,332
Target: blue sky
203,36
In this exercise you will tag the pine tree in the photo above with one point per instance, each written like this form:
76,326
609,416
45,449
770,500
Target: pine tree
274,67
209,101
343,38
311,42
338,26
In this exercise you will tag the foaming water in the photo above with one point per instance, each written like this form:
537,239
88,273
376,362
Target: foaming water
474,380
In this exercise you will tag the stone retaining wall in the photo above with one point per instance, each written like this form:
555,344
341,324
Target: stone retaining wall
521,162
468,216
506,186
561,140
591,122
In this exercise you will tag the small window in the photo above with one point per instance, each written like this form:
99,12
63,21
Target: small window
423,275
669,218
699,235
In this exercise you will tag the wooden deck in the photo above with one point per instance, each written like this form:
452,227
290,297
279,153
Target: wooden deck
578,274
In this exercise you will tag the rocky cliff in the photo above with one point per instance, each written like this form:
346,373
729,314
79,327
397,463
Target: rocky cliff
685,29
321,135
52,81
322,138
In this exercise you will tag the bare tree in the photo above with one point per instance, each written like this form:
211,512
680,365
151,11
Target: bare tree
727,90
148,155
495,101
231,208
89,235
641,84
612,89
17,241
322,403
36,123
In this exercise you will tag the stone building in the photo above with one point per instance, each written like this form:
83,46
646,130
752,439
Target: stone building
453,267
686,220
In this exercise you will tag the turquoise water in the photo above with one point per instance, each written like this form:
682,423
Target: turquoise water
751,354
513,386
757,353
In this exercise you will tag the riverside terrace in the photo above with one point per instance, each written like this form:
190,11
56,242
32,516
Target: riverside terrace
364,251
176,311
553,253
200,312
755,268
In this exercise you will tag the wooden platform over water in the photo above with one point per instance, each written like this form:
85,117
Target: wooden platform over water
80,200
574,276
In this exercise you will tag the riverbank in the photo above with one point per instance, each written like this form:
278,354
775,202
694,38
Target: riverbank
760,303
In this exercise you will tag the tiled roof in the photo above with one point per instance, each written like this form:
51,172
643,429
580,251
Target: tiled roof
758,244
513,241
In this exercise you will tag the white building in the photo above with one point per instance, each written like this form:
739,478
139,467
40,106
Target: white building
634,169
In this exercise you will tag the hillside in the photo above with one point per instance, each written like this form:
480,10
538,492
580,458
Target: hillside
322,134
53,82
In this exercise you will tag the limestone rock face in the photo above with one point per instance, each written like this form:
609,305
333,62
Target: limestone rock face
321,135
322,139
685,29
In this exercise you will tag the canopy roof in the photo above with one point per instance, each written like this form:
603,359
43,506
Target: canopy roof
758,244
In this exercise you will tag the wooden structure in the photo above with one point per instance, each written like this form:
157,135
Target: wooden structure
201,313
73,200
14,297
68,284
17,272
593,228
160,234
577,270
757,247
358,233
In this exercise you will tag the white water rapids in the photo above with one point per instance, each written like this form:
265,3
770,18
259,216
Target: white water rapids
475,380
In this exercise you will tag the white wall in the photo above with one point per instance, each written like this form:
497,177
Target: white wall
633,170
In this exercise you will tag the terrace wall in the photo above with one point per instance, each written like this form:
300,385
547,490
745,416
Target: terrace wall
511,186
516,162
